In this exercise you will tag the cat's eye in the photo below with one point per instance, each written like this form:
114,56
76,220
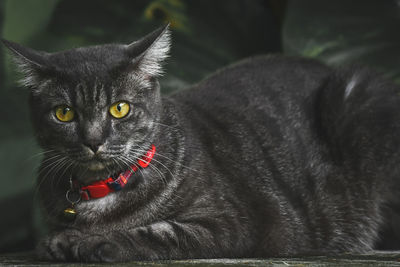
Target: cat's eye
120,109
64,113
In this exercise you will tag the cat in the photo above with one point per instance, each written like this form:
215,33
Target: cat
270,156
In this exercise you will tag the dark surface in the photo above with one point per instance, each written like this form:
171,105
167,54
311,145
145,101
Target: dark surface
384,259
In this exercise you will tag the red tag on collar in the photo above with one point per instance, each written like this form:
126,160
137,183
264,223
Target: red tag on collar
102,188
96,190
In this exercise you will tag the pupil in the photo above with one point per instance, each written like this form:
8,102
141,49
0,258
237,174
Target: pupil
65,111
119,107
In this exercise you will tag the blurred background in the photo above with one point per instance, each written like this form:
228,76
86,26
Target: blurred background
206,34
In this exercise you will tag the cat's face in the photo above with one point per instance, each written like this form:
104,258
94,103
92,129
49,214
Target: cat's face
96,107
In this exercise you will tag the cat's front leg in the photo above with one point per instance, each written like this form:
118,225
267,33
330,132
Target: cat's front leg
74,245
57,246
162,240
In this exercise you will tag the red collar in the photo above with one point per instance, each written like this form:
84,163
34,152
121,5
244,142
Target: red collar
102,188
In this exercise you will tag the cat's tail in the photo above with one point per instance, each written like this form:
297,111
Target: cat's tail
359,117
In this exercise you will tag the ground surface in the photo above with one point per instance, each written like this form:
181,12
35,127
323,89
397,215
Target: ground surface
383,259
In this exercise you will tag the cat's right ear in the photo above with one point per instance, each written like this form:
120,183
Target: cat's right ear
148,53
31,63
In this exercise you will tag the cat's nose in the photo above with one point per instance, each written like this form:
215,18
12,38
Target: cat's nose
94,147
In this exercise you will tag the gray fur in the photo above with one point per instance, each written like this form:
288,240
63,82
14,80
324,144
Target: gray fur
272,156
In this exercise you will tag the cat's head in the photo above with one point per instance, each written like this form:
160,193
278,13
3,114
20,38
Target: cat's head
95,107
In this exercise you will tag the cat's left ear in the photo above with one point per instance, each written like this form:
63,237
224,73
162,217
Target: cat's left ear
148,53
31,63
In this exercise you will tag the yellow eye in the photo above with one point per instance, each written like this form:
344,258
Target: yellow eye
119,109
64,113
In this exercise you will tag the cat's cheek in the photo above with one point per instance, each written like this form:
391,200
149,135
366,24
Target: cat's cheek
56,133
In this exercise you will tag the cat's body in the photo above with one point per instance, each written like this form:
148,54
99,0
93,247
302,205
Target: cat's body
271,156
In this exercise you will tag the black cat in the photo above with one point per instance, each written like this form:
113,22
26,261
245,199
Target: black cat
272,156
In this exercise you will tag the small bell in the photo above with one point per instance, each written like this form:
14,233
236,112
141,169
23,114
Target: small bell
70,213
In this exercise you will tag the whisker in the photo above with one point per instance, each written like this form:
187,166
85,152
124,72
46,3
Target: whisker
55,170
51,158
65,170
44,165
162,177
165,125
150,163
40,154
44,178
127,162
167,158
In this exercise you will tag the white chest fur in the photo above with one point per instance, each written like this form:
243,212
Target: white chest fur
95,207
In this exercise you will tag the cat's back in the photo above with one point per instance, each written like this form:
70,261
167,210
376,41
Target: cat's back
259,108
251,81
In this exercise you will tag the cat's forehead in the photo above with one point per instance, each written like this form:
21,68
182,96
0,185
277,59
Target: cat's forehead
90,76
94,91
92,94
89,62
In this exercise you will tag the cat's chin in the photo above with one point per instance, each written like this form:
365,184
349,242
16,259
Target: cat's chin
94,171
92,176
96,166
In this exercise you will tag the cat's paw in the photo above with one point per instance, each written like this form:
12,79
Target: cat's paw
97,248
72,245
57,247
